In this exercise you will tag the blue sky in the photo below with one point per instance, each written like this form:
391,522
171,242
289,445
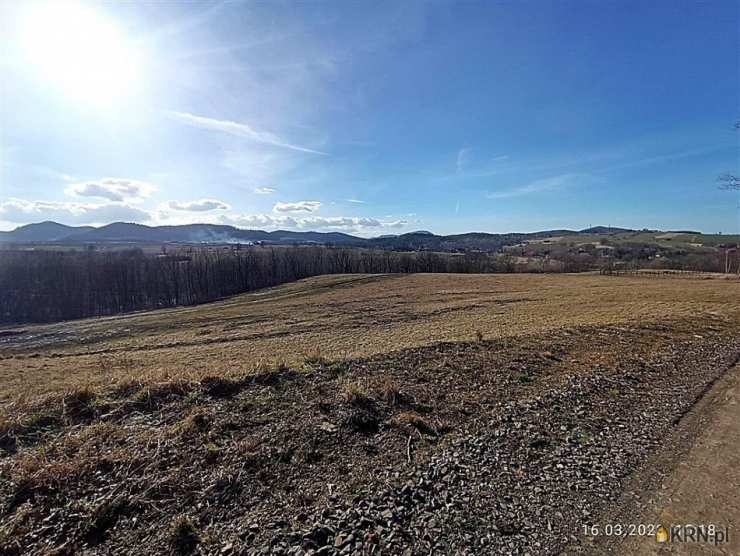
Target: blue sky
371,117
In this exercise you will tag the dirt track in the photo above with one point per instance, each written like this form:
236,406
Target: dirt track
703,485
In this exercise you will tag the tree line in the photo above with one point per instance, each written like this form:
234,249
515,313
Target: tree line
56,285
49,286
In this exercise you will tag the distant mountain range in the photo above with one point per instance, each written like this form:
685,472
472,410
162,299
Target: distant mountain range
121,232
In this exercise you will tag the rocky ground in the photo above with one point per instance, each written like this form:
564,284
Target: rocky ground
482,447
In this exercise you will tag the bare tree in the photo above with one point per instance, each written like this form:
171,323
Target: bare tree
728,180
47,286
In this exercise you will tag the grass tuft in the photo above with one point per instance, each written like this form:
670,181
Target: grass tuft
314,359
391,393
127,388
212,453
355,394
155,395
8,430
413,419
194,424
219,387
183,536
78,405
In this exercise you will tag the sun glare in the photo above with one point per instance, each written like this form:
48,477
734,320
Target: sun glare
81,52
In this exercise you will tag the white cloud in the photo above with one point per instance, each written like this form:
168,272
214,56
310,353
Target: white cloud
21,211
264,190
356,201
259,221
344,223
200,205
396,224
538,186
113,189
238,129
340,222
300,206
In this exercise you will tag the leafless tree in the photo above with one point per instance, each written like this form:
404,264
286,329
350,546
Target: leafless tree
47,286
728,180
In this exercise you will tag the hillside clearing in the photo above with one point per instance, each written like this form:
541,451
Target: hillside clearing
341,316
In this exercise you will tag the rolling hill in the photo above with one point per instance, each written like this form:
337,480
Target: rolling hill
122,232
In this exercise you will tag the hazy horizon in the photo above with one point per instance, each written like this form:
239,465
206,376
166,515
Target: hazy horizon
370,119
371,235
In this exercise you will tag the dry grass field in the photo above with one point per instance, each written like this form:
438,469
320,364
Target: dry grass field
412,414
340,317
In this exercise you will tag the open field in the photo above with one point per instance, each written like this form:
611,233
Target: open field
341,317
683,240
355,414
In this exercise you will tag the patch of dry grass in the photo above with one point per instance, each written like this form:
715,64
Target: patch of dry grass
8,428
219,387
154,395
195,424
411,419
314,358
356,393
390,392
344,316
246,445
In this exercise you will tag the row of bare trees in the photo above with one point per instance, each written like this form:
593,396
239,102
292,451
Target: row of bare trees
48,286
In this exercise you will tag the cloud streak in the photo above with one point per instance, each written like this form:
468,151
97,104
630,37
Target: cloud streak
300,206
201,205
538,186
237,129
463,159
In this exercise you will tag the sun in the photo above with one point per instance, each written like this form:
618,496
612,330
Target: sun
81,53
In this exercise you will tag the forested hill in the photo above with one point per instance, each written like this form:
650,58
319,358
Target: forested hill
120,232
45,232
